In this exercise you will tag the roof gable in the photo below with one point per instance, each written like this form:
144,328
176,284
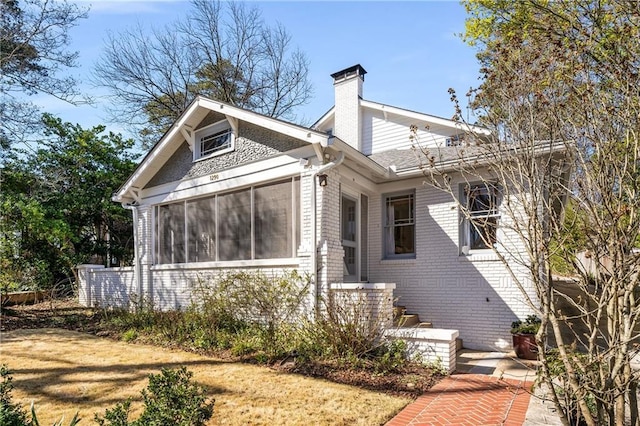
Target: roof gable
194,117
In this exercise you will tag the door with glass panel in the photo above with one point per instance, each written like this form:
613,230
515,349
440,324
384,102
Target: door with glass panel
353,231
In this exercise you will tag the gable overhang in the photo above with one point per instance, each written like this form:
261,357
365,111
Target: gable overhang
183,129
418,116
326,117
427,118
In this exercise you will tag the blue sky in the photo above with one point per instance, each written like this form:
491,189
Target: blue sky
410,49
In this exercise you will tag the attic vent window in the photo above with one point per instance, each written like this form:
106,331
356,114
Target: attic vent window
455,140
213,140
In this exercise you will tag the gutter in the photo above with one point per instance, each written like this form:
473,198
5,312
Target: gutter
137,278
314,221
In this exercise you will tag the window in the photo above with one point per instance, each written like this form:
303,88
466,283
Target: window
400,231
273,220
455,140
171,235
234,213
215,139
201,229
479,228
260,222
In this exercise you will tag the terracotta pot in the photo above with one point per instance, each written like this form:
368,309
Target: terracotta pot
525,346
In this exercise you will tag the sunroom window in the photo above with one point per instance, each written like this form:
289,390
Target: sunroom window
261,222
215,139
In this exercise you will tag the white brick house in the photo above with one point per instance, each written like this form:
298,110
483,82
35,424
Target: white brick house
344,201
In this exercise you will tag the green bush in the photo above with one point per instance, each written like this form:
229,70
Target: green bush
530,325
169,399
130,335
264,318
12,414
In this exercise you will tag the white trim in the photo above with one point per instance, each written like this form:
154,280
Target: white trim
265,167
440,334
424,117
229,264
400,261
209,130
196,112
298,132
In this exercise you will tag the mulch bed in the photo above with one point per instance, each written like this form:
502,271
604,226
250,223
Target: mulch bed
411,380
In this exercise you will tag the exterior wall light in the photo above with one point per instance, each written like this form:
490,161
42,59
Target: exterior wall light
323,180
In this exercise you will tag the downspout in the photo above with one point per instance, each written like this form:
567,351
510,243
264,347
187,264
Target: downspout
136,258
314,221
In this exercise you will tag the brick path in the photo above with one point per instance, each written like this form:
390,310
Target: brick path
468,399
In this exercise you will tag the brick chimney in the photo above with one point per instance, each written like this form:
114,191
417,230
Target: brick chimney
347,117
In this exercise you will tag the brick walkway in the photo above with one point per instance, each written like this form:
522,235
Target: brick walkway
468,399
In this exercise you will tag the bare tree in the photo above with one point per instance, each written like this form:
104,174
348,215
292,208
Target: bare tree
560,95
223,50
33,54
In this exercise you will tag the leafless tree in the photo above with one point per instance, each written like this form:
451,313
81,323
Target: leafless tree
34,36
223,50
560,95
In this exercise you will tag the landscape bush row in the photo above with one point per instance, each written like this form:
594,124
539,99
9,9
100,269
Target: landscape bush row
265,319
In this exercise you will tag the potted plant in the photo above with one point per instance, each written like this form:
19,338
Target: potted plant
524,337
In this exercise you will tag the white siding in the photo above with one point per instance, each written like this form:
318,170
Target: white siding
382,134
473,294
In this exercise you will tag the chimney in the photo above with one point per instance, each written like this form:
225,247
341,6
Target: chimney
347,117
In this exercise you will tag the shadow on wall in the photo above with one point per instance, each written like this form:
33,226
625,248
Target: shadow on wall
473,294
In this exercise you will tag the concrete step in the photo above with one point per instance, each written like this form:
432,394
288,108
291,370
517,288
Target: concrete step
398,311
406,320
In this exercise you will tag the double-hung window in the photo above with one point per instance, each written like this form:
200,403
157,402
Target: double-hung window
399,225
215,139
480,223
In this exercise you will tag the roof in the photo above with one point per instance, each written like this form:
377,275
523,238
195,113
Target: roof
412,159
415,160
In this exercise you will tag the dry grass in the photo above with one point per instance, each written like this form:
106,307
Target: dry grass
65,371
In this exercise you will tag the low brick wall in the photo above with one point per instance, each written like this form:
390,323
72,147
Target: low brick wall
101,287
374,299
429,344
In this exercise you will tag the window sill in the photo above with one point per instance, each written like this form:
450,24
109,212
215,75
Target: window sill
479,256
285,262
398,261
215,154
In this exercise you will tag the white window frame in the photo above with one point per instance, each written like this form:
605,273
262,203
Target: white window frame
470,216
387,254
294,230
221,127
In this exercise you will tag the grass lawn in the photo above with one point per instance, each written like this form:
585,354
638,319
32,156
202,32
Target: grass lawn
65,371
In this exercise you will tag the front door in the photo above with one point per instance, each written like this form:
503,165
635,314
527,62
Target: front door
354,233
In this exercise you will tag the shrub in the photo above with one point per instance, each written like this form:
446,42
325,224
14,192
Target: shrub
530,325
169,399
12,414
130,335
